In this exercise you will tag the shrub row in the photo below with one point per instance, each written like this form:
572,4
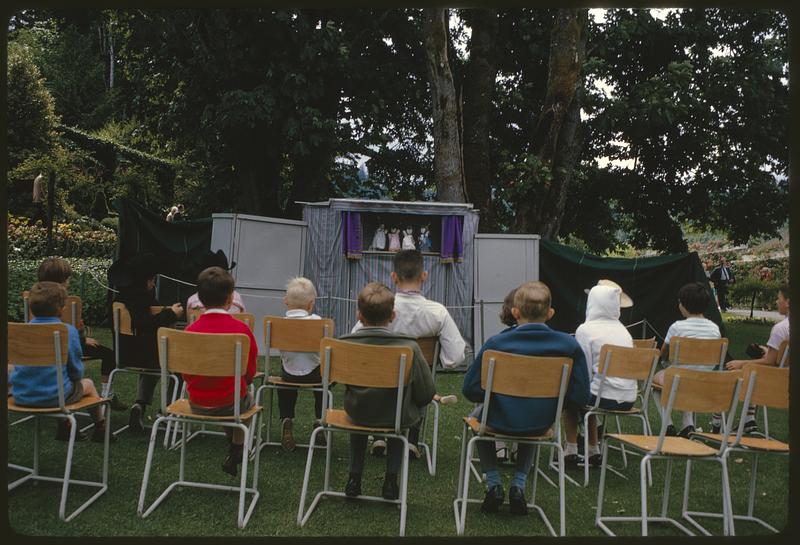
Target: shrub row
22,275
69,240
740,293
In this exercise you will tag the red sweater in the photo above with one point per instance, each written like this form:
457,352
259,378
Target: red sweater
219,391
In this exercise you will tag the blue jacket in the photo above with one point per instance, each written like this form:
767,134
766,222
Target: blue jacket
513,414
36,385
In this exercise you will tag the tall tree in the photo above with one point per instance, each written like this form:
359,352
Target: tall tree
447,155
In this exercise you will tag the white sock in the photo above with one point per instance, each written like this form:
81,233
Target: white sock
594,449
571,448
104,389
688,420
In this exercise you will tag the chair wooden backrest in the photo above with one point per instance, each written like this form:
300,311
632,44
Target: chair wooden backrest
782,359
524,376
644,343
769,385
72,313
39,344
248,318
624,362
204,354
366,365
700,391
430,349
295,335
689,351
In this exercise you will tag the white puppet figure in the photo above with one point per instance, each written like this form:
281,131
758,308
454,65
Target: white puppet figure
379,239
424,240
394,239
408,239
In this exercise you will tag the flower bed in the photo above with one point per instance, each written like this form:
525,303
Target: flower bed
69,240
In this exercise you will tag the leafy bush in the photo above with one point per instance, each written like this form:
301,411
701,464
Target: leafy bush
740,293
86,275
69,239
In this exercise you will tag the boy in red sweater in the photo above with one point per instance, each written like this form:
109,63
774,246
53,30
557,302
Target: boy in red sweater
213,396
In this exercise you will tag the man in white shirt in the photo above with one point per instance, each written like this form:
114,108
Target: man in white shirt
418,317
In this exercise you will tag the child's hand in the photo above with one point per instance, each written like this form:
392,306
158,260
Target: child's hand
92,342
177,309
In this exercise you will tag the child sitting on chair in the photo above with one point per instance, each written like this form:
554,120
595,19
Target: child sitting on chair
217,259
37,386
213,396
693,299
55,269
376,406
300,367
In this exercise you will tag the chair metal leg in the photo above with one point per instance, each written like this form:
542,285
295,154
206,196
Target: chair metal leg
561,500
621,446
403,488
147,465
67,467
302,516
600,492
462,463
643,492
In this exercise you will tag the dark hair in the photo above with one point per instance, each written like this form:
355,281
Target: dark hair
408,265
784,289
54,269
214,285
505,313
533,300
375,303
47,299
694,297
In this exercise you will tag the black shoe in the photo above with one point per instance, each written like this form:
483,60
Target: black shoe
596,460
580,444
671,431
99,434
750,427
116,404
716,429
231,463
686,432
516,501
353,486
390,489
135,422
572,461
493,499
62,432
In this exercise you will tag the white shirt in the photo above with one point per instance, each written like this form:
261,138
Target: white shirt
417,316
778,334
695,328
300,363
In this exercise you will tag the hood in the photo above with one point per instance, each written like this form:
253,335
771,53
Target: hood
603,303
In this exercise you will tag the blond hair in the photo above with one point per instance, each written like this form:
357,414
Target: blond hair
533,300
300,291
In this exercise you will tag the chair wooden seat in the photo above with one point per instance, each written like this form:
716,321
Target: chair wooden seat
338,418
673,446
259,374
85,402
475,425
631,411
755,443
278,381
181,407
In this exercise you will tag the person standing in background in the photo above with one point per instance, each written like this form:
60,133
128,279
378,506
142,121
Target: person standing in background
722,276
39,211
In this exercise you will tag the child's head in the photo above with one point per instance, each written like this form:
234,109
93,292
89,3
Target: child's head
694,298
375,305
532,303
54,269
783,299
215,287
300,294
408,267
506,316
47,299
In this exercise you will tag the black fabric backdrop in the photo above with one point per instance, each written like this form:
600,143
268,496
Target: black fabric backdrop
652,283
179,246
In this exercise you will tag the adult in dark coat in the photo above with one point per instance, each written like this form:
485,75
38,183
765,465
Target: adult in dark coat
135,280
722,276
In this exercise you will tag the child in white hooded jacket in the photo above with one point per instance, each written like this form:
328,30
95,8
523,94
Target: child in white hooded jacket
602,326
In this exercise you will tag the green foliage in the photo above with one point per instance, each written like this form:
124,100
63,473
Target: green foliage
30,108
84,282
74,239
741,292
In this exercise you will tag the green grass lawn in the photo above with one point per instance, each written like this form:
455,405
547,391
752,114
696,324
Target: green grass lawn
33,508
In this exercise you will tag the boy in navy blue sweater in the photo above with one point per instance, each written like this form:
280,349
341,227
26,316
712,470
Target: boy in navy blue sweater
36,385
524,416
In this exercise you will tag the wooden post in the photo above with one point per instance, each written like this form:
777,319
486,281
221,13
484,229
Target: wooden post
51,205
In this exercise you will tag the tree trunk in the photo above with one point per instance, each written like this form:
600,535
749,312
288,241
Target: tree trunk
110,56
556,128
478,92
447,164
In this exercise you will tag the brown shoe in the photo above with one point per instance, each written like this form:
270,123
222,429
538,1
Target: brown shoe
287,439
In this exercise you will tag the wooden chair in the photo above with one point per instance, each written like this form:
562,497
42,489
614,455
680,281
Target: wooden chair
72,314
689,390
783,354
430,349
123,325
644,343
292,335
46,345
708,353
619,362
192,315
360,365
512,374
212,355
766,386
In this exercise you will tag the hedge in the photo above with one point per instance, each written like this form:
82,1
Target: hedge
740,293
69,240
22,275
